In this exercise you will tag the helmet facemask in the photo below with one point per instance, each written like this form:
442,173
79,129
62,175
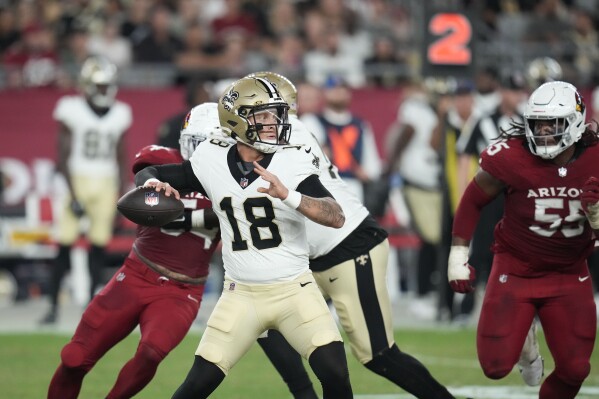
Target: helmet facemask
99,81
548,137
101,95
554,119
188,144
268,126
199,124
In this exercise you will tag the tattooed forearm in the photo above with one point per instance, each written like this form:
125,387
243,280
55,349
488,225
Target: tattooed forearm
325,211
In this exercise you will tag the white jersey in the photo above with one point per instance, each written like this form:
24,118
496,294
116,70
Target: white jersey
419,163
264,240
94,137
322,239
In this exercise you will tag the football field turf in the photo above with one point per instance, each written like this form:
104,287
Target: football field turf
29,360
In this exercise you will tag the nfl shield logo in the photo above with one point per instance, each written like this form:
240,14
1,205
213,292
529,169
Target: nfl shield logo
152,198
244,182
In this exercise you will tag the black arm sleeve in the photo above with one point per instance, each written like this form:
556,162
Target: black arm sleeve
179,175
312,187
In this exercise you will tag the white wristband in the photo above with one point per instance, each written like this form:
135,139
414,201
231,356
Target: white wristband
457,263
293,200
197,219
151,180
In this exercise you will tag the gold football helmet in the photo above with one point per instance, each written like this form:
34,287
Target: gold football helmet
242,107
283,85
542,70
98,81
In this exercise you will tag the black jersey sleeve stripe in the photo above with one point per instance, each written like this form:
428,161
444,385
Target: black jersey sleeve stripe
178,175
312,187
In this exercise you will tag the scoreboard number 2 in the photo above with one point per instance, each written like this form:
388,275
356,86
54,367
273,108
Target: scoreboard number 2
453,33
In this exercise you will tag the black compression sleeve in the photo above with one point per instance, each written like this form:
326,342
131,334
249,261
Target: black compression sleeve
312,187
180,176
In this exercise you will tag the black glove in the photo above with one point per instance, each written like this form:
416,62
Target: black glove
182,223
77,208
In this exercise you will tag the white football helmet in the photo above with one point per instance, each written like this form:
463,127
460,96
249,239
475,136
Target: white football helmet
554,119
246,105
200,123
98,81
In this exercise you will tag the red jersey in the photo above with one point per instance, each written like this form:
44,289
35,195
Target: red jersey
185,252
543,222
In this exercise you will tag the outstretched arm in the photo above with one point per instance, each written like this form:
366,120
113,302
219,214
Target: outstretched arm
171,178
323,210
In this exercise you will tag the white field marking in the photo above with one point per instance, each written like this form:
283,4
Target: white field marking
486,392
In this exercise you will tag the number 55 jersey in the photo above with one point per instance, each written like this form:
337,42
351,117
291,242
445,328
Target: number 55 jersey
264,240
543,223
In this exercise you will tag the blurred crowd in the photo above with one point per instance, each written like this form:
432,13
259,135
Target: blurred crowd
374,42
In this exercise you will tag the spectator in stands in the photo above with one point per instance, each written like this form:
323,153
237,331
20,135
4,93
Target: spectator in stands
346,138
170,130
111,45
136,25
287,57
92,159
234,20
73,55
330,59
237,57
196,55
9,33
159,45
187,13
383,68
584,40
32,61
283,19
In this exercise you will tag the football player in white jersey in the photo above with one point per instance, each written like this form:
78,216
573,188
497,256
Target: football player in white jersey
350,267
91,157
268,284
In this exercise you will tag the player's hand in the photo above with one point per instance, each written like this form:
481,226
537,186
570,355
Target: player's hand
460,274
77,208
276,189
160,185
590,201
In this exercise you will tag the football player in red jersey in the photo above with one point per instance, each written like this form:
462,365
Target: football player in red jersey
546,167
160,284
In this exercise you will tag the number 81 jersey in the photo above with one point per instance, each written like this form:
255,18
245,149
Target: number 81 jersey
543,221
94,137
264,241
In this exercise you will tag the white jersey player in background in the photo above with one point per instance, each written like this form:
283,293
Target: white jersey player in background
350,267
92,159
268,284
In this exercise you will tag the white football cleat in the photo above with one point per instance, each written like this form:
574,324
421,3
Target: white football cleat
532,371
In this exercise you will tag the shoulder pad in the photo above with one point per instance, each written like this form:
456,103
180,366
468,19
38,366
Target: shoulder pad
155,155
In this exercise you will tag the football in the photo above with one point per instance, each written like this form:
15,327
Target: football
148,207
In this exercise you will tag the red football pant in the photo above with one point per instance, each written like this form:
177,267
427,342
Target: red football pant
135,295
566,309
